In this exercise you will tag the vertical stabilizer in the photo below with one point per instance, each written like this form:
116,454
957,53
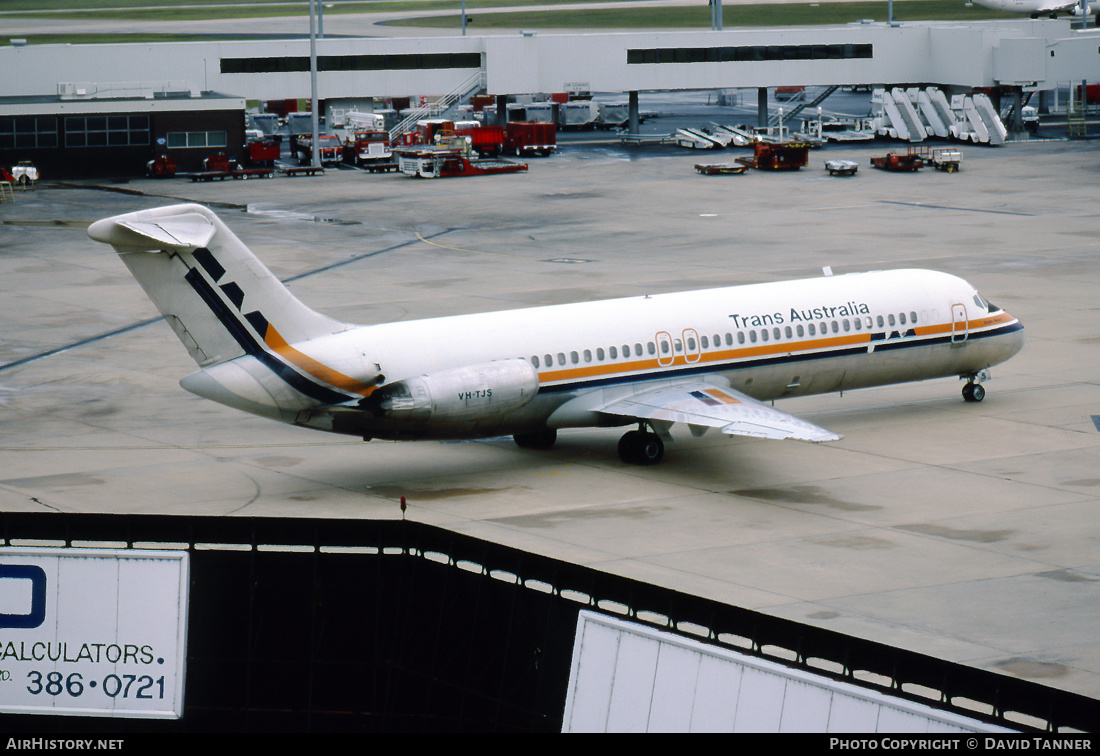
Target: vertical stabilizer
216,295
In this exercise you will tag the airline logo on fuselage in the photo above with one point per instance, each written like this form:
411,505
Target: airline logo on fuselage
846,310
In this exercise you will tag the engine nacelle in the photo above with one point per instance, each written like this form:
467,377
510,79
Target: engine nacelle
474,397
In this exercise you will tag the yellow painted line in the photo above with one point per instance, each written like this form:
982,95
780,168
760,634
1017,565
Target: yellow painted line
460,249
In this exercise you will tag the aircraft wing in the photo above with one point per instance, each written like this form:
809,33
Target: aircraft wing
707,405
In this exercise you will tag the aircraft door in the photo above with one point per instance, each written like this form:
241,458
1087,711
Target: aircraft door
960,326
665,353
692,350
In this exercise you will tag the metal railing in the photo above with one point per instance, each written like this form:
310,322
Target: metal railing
437,108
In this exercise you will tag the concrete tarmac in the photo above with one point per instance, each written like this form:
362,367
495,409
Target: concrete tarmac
966,531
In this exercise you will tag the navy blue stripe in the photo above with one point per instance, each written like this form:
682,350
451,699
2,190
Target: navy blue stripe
251,346
794,359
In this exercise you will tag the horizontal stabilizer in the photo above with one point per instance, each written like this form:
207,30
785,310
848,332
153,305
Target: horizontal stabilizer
704,404
186,231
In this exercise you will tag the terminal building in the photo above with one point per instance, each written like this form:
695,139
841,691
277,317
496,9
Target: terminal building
82,110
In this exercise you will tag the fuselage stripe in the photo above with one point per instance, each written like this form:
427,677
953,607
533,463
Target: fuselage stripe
739,359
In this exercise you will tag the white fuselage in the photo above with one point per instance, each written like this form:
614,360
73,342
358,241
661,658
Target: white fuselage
768,341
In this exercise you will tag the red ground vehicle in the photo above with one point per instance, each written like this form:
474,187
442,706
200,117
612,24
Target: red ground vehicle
263,151
786,156
369,148
530,138
485,140
161,166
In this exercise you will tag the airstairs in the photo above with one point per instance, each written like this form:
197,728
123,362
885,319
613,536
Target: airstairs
439,108
914,114
774,120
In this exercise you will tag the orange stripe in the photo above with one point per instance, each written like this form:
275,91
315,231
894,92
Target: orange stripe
314,368
776,347
722,396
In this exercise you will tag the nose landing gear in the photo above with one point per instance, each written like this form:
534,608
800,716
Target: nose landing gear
641,447
973,391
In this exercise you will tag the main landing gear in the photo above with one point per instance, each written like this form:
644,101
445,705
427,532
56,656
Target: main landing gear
641,447
973,391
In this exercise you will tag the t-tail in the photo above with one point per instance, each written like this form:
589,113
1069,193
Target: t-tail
242,326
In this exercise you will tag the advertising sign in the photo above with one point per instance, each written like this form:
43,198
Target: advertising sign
93,632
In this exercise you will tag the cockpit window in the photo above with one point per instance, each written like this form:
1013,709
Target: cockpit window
982,303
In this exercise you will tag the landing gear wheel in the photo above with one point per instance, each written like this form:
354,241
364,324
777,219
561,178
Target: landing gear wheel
537,440
641,448
973,392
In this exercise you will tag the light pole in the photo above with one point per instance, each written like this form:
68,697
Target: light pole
315,145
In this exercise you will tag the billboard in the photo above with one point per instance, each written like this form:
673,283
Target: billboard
93,632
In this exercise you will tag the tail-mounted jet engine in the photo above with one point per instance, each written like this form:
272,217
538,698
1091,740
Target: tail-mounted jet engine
475,398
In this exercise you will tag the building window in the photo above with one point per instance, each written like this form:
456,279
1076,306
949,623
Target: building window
187,139
27,133
755,53
107,131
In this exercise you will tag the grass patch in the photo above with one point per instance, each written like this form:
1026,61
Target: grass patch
678,17
163,10
698,17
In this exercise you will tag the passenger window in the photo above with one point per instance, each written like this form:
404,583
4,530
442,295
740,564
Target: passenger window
664,347
691,344
763,334
549,361
776,333
881,322
789,332
836,327
913,318
729,338
678,345
574,357
587,355
561,358
740,337
857,323
613,352
890,318
626,351
703,340
800,330
812,329
599,353
846,325
535,360
901,318
752,336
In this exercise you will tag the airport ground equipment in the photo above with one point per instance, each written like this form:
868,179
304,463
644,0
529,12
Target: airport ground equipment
841,167
946,159
161,166
262,151
221,167
24,174
450,157
530,138
896,161
777,156
697,139
720,169
300,170
915,114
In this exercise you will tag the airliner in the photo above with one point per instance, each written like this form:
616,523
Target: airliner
1036,7
715,358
